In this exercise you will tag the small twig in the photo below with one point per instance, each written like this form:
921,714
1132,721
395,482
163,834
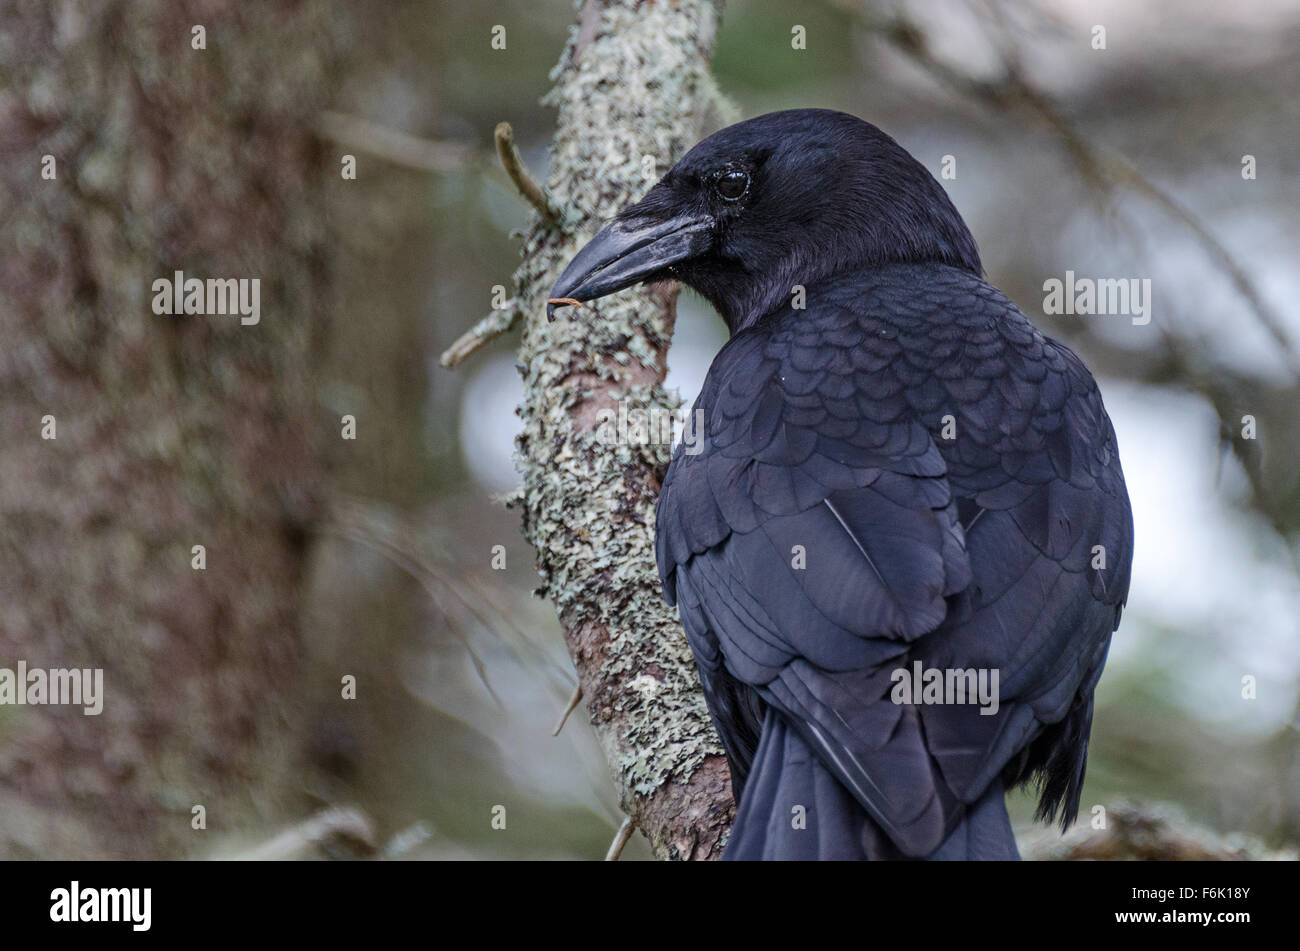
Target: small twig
564,717
407,841
620,840
400,148
481,334
479,601
513,163
338,827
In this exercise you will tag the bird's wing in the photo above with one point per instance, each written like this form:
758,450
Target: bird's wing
815,543
1049,532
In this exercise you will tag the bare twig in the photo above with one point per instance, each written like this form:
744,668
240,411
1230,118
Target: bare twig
481,334
620,840
572,705
335,828
513,163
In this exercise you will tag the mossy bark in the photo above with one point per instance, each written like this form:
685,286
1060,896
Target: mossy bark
632,82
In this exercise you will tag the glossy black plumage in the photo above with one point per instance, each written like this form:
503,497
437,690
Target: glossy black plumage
904,469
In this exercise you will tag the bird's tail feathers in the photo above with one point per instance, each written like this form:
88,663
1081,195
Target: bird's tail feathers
794,809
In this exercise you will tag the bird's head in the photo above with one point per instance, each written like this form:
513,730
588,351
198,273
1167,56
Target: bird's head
785,199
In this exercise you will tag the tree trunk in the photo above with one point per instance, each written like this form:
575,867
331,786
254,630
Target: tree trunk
170,431
633,82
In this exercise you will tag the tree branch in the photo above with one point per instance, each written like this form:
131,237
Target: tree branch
1151,832
634,85
422,155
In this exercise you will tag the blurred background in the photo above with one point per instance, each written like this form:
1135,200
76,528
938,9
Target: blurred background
377,558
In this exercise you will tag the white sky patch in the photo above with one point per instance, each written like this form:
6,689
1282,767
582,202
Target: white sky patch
488,423
1191,295
1201,567
697,337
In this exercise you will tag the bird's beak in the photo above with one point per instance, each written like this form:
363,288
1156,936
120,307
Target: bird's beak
627,252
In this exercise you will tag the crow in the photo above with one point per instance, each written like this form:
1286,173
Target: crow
903,494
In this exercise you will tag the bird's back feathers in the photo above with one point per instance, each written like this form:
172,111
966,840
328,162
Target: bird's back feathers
906,470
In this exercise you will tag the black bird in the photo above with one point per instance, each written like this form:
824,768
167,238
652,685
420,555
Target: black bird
896,467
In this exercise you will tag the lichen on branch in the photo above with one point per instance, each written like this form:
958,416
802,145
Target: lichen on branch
632,83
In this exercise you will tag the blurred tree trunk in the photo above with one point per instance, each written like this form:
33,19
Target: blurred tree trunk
172,431
633,82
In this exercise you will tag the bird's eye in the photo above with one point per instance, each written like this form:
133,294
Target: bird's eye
733,184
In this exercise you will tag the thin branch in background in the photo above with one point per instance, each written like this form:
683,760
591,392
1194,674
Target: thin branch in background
400,148
1105,169
331,830
394,535
425,576
369,520
1148,833
504,622
1226,393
